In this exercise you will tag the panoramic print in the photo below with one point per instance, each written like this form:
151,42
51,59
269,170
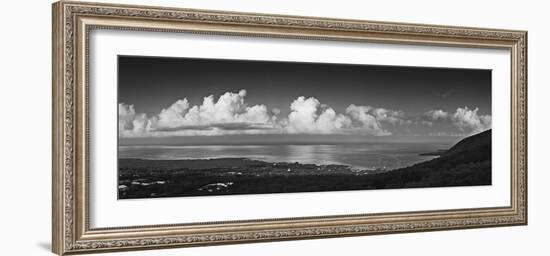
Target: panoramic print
211,127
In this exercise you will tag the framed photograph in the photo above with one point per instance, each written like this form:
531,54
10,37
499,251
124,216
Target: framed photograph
178,127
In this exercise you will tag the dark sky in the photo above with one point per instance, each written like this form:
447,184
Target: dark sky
153,83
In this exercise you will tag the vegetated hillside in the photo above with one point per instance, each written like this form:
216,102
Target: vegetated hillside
480,141
467,163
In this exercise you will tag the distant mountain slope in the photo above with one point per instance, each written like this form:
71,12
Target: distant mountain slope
478,141
467,163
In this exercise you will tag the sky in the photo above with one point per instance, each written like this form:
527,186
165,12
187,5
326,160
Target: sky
186,100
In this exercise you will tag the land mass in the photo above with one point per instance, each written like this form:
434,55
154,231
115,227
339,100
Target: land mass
434,153
467,163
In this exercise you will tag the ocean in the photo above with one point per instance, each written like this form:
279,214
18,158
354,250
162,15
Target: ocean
360,156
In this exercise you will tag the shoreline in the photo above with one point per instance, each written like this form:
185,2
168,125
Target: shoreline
215,161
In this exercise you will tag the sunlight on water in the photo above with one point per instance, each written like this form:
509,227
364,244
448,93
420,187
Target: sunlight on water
358,156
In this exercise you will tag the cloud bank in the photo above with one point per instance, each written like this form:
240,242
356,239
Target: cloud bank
229,114
468,120
465,119
131,124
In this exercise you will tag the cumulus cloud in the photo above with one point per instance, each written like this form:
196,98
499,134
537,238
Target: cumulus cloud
229,108
369,122
226,115
173,116
468,120
309,116
230,114
465,119
130,123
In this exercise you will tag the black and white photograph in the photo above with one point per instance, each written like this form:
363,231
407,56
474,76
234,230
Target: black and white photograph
202,127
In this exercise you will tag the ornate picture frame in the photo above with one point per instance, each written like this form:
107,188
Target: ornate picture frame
72,23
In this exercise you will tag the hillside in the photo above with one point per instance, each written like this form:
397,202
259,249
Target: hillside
480,141
466,163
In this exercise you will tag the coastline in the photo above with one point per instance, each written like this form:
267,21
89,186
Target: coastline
467,163
141,178
357,156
